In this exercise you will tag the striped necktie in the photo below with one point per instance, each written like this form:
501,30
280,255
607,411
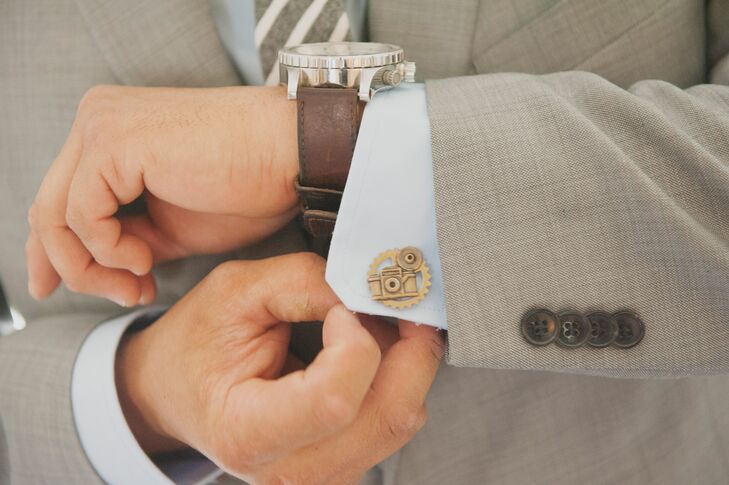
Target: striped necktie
281,23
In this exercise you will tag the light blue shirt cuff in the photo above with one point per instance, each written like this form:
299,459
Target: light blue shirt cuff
388,203
104,433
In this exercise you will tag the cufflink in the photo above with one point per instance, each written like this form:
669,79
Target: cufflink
399,278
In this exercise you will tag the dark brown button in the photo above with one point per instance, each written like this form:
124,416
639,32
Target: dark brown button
574,329
604,329
630,329
539,327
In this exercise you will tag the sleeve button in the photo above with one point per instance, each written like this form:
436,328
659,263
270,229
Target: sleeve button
630,329
604,329
539,327
574,329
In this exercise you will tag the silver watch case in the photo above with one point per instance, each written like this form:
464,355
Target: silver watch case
368,67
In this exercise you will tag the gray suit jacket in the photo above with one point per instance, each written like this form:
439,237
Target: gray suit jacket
575,190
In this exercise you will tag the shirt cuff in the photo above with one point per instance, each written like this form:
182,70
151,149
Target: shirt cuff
104,433
388,203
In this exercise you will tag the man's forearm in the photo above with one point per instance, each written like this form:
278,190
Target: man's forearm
561,192
566,192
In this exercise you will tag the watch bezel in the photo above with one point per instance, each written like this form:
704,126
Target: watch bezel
389,54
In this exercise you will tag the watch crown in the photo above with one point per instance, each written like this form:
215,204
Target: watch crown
409,72
391,77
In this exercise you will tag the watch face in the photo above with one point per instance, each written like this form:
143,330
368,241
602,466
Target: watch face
340,54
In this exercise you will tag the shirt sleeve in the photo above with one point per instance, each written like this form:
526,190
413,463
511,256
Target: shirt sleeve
388,203
104,433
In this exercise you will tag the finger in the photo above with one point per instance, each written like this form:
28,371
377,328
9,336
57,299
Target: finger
42,278
148,289
409,367
289,288
81,274
50,194
97,189
385,333
392,412
69,257
306,406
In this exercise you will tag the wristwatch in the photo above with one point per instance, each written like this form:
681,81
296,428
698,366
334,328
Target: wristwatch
330,82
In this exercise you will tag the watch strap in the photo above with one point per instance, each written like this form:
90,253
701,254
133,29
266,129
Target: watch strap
328,123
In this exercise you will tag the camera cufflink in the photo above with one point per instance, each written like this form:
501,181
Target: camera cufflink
399,278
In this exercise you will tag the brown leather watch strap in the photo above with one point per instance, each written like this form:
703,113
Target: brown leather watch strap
328,122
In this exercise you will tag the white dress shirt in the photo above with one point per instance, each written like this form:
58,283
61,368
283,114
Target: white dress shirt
391,169
388,203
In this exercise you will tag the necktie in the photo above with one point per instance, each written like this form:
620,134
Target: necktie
281,23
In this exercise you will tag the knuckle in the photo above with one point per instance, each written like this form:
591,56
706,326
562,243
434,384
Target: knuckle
96,112
224,274
102,254
74,283
312,261
307,266
75,216
95,95
40,216
403,421
95,127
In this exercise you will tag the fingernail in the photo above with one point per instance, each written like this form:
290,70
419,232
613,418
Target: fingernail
119,301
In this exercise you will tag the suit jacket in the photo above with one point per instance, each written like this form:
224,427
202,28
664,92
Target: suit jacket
600,189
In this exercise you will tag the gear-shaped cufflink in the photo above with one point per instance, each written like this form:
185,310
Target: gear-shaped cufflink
401,283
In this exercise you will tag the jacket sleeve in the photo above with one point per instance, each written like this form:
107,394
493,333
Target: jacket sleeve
38,439
564,191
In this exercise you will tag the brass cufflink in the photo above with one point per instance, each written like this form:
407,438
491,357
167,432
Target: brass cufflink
399,278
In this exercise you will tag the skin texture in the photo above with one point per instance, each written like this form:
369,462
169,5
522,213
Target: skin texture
213,176
219,378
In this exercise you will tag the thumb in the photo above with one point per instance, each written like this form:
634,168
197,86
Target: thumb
308,405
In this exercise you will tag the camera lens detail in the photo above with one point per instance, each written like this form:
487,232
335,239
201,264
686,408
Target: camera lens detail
410,258
392,284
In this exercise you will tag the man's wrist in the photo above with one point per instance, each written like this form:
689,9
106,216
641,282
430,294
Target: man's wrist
131,374
278,125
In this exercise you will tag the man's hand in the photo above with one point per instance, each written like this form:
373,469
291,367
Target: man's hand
217,167
211,374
